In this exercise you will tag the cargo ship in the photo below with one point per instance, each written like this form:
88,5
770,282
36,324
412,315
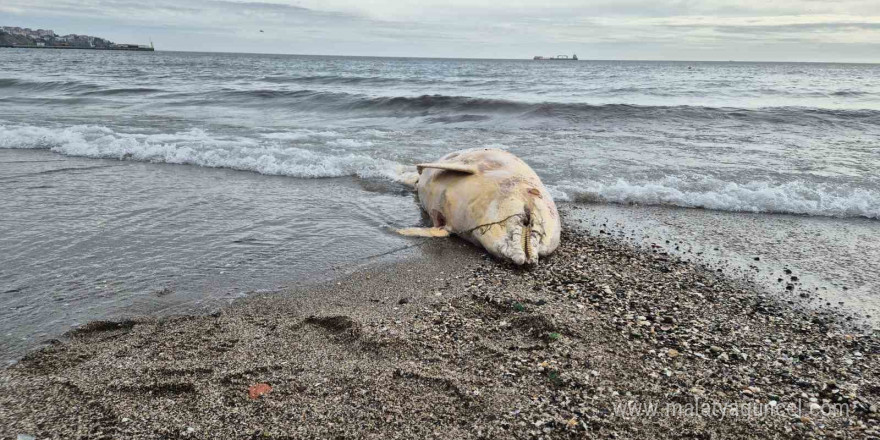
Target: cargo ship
556,58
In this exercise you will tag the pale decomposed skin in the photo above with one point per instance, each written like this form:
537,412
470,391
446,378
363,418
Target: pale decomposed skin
491,198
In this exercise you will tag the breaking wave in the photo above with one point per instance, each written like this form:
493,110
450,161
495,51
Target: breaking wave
11,85
457,109
435,108
283,154
200,148
796,197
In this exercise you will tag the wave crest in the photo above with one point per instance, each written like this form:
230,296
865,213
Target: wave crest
200,148
760,197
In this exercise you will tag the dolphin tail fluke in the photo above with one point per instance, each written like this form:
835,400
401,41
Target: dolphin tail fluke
424,232
408,178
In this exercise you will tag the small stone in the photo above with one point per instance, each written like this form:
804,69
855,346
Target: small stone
403,301
715,349
723,357
257,390
673,353
125,420
24,437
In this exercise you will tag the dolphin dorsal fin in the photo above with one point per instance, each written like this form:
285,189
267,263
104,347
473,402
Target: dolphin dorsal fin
449,166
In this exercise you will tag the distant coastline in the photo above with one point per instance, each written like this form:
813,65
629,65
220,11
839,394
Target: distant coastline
26,38
122,47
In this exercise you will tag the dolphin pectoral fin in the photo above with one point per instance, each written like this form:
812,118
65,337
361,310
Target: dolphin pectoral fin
449,166
424,232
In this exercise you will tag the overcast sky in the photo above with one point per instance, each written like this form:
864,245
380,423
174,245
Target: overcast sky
762,30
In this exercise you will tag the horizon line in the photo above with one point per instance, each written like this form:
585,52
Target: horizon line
513,59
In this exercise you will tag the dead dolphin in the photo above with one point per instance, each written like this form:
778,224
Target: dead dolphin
491,198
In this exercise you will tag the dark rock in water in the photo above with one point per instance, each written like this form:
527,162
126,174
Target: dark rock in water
757,258
794,278
787,271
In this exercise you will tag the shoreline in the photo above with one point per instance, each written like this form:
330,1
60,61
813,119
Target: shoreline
131,49
455,345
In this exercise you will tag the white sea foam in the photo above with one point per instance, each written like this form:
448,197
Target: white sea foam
198,147
274,154
302,135
349,143
790,197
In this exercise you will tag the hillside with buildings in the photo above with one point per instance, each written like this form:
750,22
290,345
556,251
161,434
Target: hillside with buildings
11,36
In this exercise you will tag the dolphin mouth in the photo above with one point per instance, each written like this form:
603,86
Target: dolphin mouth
528,242
528,246
519,243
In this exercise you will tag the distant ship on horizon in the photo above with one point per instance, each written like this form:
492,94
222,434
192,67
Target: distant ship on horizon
556,58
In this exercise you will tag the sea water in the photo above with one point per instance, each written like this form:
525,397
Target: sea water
149,183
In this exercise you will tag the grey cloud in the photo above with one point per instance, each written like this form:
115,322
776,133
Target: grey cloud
648,29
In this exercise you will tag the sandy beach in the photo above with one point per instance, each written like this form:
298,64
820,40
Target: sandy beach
602,340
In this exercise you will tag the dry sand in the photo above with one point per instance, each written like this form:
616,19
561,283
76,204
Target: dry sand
456,345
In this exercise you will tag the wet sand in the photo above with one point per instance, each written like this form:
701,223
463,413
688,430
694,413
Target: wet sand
602,340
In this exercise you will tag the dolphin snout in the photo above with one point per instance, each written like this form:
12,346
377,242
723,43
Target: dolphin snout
515,240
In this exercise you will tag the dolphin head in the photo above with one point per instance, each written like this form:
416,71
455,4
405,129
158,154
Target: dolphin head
527,226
